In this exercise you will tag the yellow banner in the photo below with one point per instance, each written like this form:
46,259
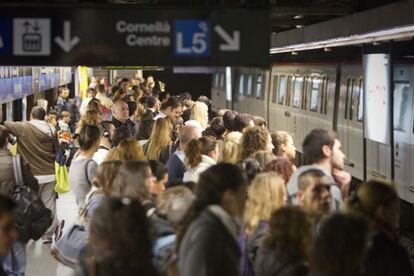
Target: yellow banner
83,81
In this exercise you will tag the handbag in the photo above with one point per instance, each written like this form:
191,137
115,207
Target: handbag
62,179
32,217
69,248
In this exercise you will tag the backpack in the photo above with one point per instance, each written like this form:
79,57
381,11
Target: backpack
162,250
32,217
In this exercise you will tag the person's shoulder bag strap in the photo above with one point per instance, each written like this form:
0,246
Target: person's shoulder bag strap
87,172
17,169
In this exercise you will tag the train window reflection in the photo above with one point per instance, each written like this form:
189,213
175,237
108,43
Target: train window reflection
297,92
401,105
361,101
241,85
282,90
222,76
216,80
314,94
351,100
259,86
274,95
325,91
249,86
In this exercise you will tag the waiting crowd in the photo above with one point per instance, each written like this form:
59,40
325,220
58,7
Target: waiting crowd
167,186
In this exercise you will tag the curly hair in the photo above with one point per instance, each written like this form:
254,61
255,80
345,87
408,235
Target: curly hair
291,229
266,194
254,139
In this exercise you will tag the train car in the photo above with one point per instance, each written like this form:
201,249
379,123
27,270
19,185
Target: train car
300,97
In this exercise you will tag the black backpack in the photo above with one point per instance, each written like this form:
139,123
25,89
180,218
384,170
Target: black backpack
32,217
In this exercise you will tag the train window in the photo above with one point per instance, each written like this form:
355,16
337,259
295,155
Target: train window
216,80
360,115
303,96
348,87
241,85
298,87
259,86
249,86
351,100
274,95
316,83
282,90
326,95
222,77
290,80
401,105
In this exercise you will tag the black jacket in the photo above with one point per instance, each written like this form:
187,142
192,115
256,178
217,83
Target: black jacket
278,262
387,258
208,249
129,124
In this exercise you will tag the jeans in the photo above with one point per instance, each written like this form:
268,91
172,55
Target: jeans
14,264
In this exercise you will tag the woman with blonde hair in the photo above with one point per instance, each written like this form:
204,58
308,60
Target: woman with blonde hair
129,150
266,194
229,148
199,113
102,185
160,141
255,139
91,117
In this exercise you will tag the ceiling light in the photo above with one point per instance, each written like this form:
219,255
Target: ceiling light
294,53
299,26
299,16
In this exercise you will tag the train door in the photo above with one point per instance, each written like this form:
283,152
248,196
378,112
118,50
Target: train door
345,93
278,115
239,90
297,119
403,131
354,159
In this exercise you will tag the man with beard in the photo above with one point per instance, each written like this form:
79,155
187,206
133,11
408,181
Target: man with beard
322,151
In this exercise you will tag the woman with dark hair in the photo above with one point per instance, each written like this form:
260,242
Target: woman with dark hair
145,127
160,172
339,247
200,154
83,167
207,242
379,203
119,241
284,249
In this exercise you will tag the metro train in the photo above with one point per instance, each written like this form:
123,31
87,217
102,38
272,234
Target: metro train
298,97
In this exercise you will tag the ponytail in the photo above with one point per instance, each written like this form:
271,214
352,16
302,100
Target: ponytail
196,148
193,153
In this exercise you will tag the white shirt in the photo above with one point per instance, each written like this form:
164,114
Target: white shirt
192,174
100,155
159,115
84,105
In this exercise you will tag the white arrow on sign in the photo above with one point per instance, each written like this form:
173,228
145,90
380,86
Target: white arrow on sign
66,43
232,43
